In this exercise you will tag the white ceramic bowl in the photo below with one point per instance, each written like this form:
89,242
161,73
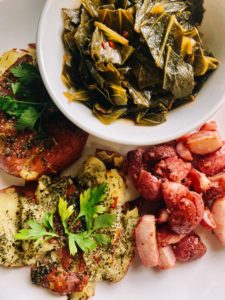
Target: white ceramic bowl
180,121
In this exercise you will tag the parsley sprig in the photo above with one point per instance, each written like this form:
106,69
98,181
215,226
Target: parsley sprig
91,209
23,103
37,231
26,73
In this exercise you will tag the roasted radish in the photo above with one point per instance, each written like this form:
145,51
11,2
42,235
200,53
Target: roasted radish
189,248
218,211
159,152
165,236
208,221
163,216
148,186
199,181
173,168
167,258
173,192
184,152
213,163
210,126
183,216
145,237
134,161
204,142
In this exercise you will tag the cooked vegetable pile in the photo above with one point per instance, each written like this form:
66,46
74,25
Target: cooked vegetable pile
73,232
135,59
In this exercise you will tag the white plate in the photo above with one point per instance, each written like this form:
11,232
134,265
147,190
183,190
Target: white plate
200,280
179,121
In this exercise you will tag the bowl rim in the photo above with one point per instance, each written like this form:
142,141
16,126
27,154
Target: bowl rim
91,130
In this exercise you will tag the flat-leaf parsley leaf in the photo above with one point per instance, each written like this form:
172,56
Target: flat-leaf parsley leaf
35,231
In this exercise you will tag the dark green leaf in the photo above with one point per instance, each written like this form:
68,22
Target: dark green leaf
178,76
146,9
27,113
159,32
28,118
84,242
145,71
119,20
140,98
91,7
113,92
26,73
84,32
193,14
89,201
10,106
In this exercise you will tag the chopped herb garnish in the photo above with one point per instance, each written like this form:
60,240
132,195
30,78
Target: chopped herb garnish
28,99
28,118
37,231
27,113
91,208
90,204
26,73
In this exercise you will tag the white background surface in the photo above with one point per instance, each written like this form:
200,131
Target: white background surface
200,280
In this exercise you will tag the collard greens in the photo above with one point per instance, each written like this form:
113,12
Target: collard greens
135,59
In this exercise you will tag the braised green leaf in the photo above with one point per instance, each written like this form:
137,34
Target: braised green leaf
84,32
119,20
178,76
137,59
103,53
140,98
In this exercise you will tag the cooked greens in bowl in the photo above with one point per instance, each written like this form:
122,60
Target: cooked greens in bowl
135,59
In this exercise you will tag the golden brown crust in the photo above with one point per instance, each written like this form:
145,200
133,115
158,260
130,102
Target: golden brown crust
29,154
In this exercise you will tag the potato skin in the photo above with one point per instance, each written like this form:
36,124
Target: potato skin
146,242
29,154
